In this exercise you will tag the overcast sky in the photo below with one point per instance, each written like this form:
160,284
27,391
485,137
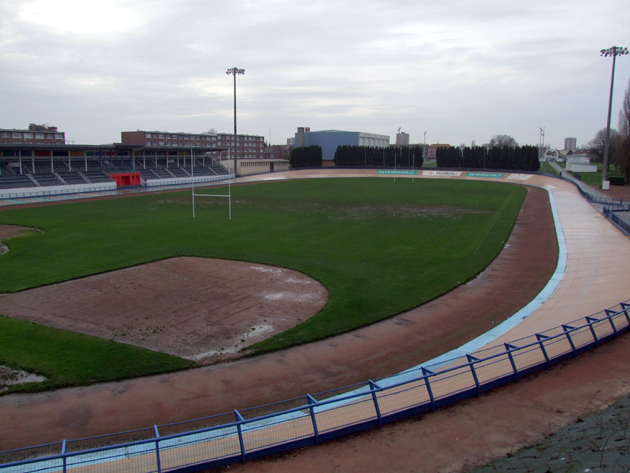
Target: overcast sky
459,70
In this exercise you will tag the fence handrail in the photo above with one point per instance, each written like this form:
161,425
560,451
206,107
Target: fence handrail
370,388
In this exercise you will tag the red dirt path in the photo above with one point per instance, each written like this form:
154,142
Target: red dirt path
371,352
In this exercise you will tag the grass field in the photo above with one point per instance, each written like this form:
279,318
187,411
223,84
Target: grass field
380,247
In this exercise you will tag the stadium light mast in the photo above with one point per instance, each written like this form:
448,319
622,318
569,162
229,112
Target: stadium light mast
235,71
424,146
614,52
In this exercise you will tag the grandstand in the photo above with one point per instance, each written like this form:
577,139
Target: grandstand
27,173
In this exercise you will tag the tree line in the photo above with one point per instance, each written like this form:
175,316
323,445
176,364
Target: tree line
514,158
372,156
306,157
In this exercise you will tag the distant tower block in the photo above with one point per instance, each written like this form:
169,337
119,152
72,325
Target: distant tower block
402,139
570,143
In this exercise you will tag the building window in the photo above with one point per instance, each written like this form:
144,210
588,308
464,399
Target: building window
58,136
39,136
28,135
6,135
161,136
16,135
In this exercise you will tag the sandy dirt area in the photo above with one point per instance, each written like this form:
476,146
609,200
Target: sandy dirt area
11,231
197,308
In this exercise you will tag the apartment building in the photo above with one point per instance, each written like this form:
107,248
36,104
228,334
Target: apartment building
35,134
247,146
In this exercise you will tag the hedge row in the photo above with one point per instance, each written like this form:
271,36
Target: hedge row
405,156
308,156
519,158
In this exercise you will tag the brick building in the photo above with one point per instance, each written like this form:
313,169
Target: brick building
248,146
35,134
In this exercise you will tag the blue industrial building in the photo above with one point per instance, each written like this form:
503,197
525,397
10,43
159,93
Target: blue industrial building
330,139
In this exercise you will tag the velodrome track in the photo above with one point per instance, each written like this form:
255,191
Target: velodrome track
596,276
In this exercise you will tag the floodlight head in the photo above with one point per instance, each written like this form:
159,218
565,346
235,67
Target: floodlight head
235,71
614,51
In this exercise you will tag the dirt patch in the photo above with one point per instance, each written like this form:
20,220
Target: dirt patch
197,308
12,231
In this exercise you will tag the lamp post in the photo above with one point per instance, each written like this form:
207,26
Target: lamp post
614,52
542,143
424,147
235,71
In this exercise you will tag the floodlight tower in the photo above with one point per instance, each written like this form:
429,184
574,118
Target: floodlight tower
235,71
424,146
614,52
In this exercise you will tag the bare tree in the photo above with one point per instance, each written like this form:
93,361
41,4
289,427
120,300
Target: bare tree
622,159
595,147
502,141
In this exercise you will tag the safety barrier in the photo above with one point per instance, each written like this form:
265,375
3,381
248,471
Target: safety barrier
187,180
57,190
309,420
622,223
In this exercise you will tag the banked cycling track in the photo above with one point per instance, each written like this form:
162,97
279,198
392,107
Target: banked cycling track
593,274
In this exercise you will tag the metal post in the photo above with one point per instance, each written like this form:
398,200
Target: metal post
541,338
509,349
567,329
373,388
157,449
235,71
610,314
33,160
239,419
427,373
472,360
65,459
590,321
311,402
424,147
614,52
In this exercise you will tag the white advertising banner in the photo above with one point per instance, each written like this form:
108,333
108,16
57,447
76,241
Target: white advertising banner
442,173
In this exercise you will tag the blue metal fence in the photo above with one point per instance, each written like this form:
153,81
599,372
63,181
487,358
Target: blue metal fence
309,420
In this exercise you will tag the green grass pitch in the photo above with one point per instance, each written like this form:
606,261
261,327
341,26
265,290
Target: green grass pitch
379,246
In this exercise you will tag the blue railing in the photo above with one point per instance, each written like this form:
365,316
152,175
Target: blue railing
622,223
309,420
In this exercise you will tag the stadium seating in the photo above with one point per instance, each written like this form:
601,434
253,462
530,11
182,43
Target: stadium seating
96,175
46,180
72,177
15,181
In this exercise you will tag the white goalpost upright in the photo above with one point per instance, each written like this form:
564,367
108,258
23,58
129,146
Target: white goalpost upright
192,187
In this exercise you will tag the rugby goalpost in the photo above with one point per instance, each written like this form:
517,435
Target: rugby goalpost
192,187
